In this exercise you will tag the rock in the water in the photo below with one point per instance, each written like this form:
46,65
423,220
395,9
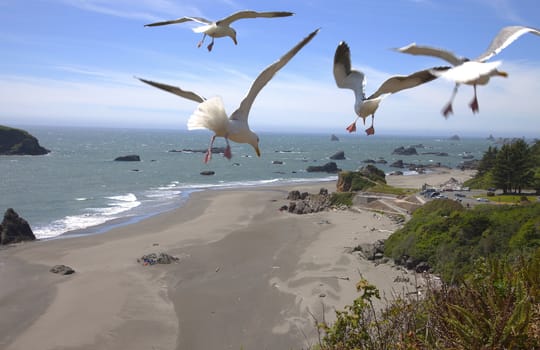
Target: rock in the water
14,229
334,138
62,270
340,155
207,172
405,151
128,158
397,164
330,167
19,142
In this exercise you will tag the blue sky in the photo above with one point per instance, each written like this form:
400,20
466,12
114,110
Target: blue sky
73,62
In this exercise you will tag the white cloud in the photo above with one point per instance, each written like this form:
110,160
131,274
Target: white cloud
148,10
508,107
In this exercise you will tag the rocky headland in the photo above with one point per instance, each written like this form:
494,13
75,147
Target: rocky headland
19,142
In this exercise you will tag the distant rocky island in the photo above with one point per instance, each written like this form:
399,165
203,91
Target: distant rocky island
19,142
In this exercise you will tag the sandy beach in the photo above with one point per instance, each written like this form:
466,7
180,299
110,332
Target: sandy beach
248,275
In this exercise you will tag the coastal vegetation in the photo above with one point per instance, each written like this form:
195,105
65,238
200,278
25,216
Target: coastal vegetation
488,298
488,261
496,307
513,168
450,238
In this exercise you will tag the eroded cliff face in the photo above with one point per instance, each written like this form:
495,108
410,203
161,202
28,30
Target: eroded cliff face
19,142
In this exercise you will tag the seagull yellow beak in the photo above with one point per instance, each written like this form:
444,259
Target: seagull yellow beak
502,74
257,151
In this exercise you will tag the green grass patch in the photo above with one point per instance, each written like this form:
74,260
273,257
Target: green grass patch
342,198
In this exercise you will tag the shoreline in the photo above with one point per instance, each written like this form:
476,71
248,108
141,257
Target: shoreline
247,276
112,224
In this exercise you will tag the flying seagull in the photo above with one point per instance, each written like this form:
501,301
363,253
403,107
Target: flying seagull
221,28
348,78
471,72
210,113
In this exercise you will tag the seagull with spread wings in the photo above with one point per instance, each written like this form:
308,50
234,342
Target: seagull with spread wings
348,78
221,28
471,72
210,113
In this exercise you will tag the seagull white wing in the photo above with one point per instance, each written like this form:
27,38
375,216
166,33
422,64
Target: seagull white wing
467,72
265,76
344,75
505,37
418,50
190,95
402,82
252,14
179,20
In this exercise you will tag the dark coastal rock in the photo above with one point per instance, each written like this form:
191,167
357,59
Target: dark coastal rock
439,154
372,251
368,161
454,138
214,150
207,172
62,270
128,158
277,162
334,138
297,195
397,164
469,164
490,138
153,259
330,167
409,151
14,229
340,155
381,161
19,142
306,203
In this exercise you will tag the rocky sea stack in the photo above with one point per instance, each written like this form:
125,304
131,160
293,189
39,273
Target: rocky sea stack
19,142
15,229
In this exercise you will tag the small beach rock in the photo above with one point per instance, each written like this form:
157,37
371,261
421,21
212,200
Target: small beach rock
153,258
62,270
207,172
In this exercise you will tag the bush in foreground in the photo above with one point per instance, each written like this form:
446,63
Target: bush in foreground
497,307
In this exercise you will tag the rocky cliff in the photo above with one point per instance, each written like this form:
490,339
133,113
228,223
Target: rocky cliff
19,142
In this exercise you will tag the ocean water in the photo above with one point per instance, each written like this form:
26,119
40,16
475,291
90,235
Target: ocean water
79,188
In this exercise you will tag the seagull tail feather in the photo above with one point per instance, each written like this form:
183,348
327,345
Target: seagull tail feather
210,114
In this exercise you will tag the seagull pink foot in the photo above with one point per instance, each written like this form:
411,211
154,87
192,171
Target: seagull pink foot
227,153
208,156
352,127
211,45
370,130
448,110
474,105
